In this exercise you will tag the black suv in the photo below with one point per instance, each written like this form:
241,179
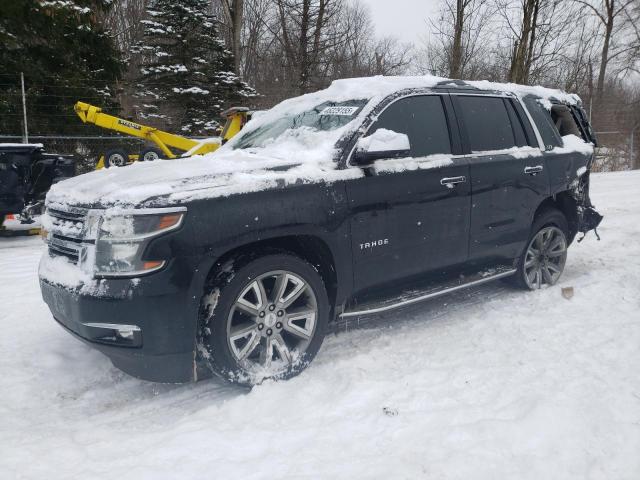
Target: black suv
373,194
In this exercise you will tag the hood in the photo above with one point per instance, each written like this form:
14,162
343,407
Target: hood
168,182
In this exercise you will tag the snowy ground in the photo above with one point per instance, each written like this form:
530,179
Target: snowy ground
492,383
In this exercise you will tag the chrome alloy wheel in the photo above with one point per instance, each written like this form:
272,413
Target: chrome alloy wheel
545,257
116,160
272,322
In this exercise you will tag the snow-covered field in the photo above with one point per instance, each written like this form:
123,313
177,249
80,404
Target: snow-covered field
492,383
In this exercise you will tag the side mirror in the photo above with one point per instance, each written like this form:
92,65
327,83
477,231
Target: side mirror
381,144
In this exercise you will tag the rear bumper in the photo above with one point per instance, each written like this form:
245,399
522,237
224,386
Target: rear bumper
155,317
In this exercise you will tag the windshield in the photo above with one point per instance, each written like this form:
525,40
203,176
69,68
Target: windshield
324,117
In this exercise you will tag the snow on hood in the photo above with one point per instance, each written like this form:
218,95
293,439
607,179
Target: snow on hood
299,155
176,181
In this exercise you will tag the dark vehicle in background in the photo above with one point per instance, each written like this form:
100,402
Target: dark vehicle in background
433,187
26,175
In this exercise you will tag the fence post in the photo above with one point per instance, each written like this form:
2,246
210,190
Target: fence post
24,111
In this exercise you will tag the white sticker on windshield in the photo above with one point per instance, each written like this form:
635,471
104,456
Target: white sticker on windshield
346,111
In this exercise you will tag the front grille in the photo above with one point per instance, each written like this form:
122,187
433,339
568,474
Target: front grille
67,232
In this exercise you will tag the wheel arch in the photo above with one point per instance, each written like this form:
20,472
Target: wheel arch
308,247
567,205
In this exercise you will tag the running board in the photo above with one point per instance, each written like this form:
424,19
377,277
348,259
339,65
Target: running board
414,296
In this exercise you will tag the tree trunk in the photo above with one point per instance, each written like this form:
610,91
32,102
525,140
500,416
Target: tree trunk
303,73
455,66
236,26
604,58
233,12
520,61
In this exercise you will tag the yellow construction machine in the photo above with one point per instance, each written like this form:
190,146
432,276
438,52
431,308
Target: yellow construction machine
165,141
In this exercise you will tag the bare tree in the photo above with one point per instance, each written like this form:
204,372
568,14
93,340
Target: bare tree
456,46
390,56
524,46
534,39
351,57
615,18
304,35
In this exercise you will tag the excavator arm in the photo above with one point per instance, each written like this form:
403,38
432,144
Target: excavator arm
164,140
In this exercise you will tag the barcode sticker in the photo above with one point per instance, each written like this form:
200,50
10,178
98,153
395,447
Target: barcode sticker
346,111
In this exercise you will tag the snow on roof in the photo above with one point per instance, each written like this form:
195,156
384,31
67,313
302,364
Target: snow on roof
299,155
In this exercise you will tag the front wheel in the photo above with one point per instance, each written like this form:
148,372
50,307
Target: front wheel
544,258
267,319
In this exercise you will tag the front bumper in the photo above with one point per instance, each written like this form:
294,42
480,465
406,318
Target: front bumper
156,313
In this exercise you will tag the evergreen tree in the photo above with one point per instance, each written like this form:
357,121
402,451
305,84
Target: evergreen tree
65,56
186,73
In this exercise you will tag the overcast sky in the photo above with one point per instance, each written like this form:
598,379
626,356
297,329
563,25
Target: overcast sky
405,19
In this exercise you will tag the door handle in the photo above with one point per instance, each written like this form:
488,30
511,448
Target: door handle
533,170
451,181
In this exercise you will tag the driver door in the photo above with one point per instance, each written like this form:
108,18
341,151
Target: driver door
411,215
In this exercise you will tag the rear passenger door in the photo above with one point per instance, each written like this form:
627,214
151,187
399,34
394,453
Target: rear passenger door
404,219
506,185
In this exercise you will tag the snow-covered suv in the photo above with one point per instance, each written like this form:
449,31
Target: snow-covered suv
370,195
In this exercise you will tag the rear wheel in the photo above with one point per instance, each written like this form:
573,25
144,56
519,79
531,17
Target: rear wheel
115,158
265,320
544,258
150,154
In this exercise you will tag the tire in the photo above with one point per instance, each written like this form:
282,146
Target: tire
150,154
247,335
115,158
543,266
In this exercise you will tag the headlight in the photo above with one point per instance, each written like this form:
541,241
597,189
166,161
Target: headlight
122,237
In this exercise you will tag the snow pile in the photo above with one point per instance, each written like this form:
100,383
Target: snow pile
491,383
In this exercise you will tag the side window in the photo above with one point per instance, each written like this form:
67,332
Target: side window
487,123
422,119
542,118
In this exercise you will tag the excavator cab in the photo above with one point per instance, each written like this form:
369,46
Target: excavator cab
236,117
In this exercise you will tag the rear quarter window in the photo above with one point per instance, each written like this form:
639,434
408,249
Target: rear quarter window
543,120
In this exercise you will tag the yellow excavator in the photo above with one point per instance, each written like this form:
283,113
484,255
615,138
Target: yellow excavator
165,141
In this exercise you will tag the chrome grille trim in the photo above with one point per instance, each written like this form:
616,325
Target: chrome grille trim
67,235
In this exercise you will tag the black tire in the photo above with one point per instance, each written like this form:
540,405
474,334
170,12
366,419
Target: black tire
116,158
547,218
219,308
150,154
